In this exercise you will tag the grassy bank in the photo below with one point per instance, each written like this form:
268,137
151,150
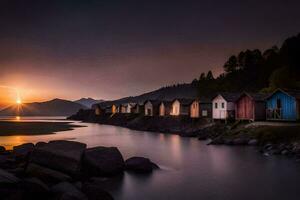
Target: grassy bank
9,128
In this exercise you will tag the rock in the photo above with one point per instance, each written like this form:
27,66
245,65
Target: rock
202,137
228,142
47,175
40,144
22,151
7,161
140,165
11,193
103,161
67,191
284,152
7,178
34,188
78,184
239,141
19,171
268,146
64,156
253,142
216,141
2,149
95,192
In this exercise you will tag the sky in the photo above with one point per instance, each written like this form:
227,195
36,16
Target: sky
108,49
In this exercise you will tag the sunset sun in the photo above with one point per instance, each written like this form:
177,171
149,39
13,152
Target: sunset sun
19,101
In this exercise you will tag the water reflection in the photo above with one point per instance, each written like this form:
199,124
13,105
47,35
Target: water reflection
190,168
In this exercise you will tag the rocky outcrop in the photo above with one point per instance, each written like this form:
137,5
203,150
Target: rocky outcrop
46,174
7,178
67,191
103,161
95,192
23,150
140,165
64,170
64,156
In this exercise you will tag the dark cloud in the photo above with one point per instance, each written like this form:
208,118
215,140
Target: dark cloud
109,49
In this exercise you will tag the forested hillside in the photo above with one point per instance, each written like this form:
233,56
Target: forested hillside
250,70
253,70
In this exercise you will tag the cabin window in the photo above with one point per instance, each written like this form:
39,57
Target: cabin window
223,104
278,104
216,105
204,113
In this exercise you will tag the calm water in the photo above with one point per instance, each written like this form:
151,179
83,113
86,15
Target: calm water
190,169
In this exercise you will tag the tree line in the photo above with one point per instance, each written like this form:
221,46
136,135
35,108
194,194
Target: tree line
254,71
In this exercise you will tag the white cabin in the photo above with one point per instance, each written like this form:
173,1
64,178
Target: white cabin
223,106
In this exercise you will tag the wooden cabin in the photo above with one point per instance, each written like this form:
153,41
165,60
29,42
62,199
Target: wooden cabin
165,108
123,108
187,107
151,107
223,106
114,109
98,109
128,107
205,107
108,109
250,107
283,105
137,108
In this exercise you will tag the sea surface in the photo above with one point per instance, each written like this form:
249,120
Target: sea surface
190,168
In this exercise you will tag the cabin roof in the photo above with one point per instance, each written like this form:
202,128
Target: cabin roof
291,92
166,103
185,102
229,97
254,96
153,102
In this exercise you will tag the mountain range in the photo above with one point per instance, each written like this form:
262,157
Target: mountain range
55,107
88,102
168,93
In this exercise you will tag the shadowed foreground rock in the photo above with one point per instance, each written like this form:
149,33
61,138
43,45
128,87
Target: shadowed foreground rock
64,170
23,150
140,165
60,155
103,161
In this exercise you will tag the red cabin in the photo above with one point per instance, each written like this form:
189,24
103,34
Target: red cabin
250,107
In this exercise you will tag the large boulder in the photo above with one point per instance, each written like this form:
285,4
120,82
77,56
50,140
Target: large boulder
47,175
7,178
2,149
95,192
140,165
67,191
103,161
7,162
34,188
22,151
240,141
64,156
253,142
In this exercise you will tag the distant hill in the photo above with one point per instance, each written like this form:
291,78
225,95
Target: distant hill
88,102
165,93
55,107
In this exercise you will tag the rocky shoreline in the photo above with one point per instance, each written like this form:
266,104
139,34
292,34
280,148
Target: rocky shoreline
63,170
181,125
269,141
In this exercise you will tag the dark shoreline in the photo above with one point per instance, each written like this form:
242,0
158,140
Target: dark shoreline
181,125
270,140
12,128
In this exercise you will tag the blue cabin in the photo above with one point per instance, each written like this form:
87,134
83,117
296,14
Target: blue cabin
283,105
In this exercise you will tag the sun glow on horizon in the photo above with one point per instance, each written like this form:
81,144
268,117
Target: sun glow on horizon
19,101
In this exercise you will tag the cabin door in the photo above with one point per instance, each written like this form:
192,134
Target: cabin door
149,112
